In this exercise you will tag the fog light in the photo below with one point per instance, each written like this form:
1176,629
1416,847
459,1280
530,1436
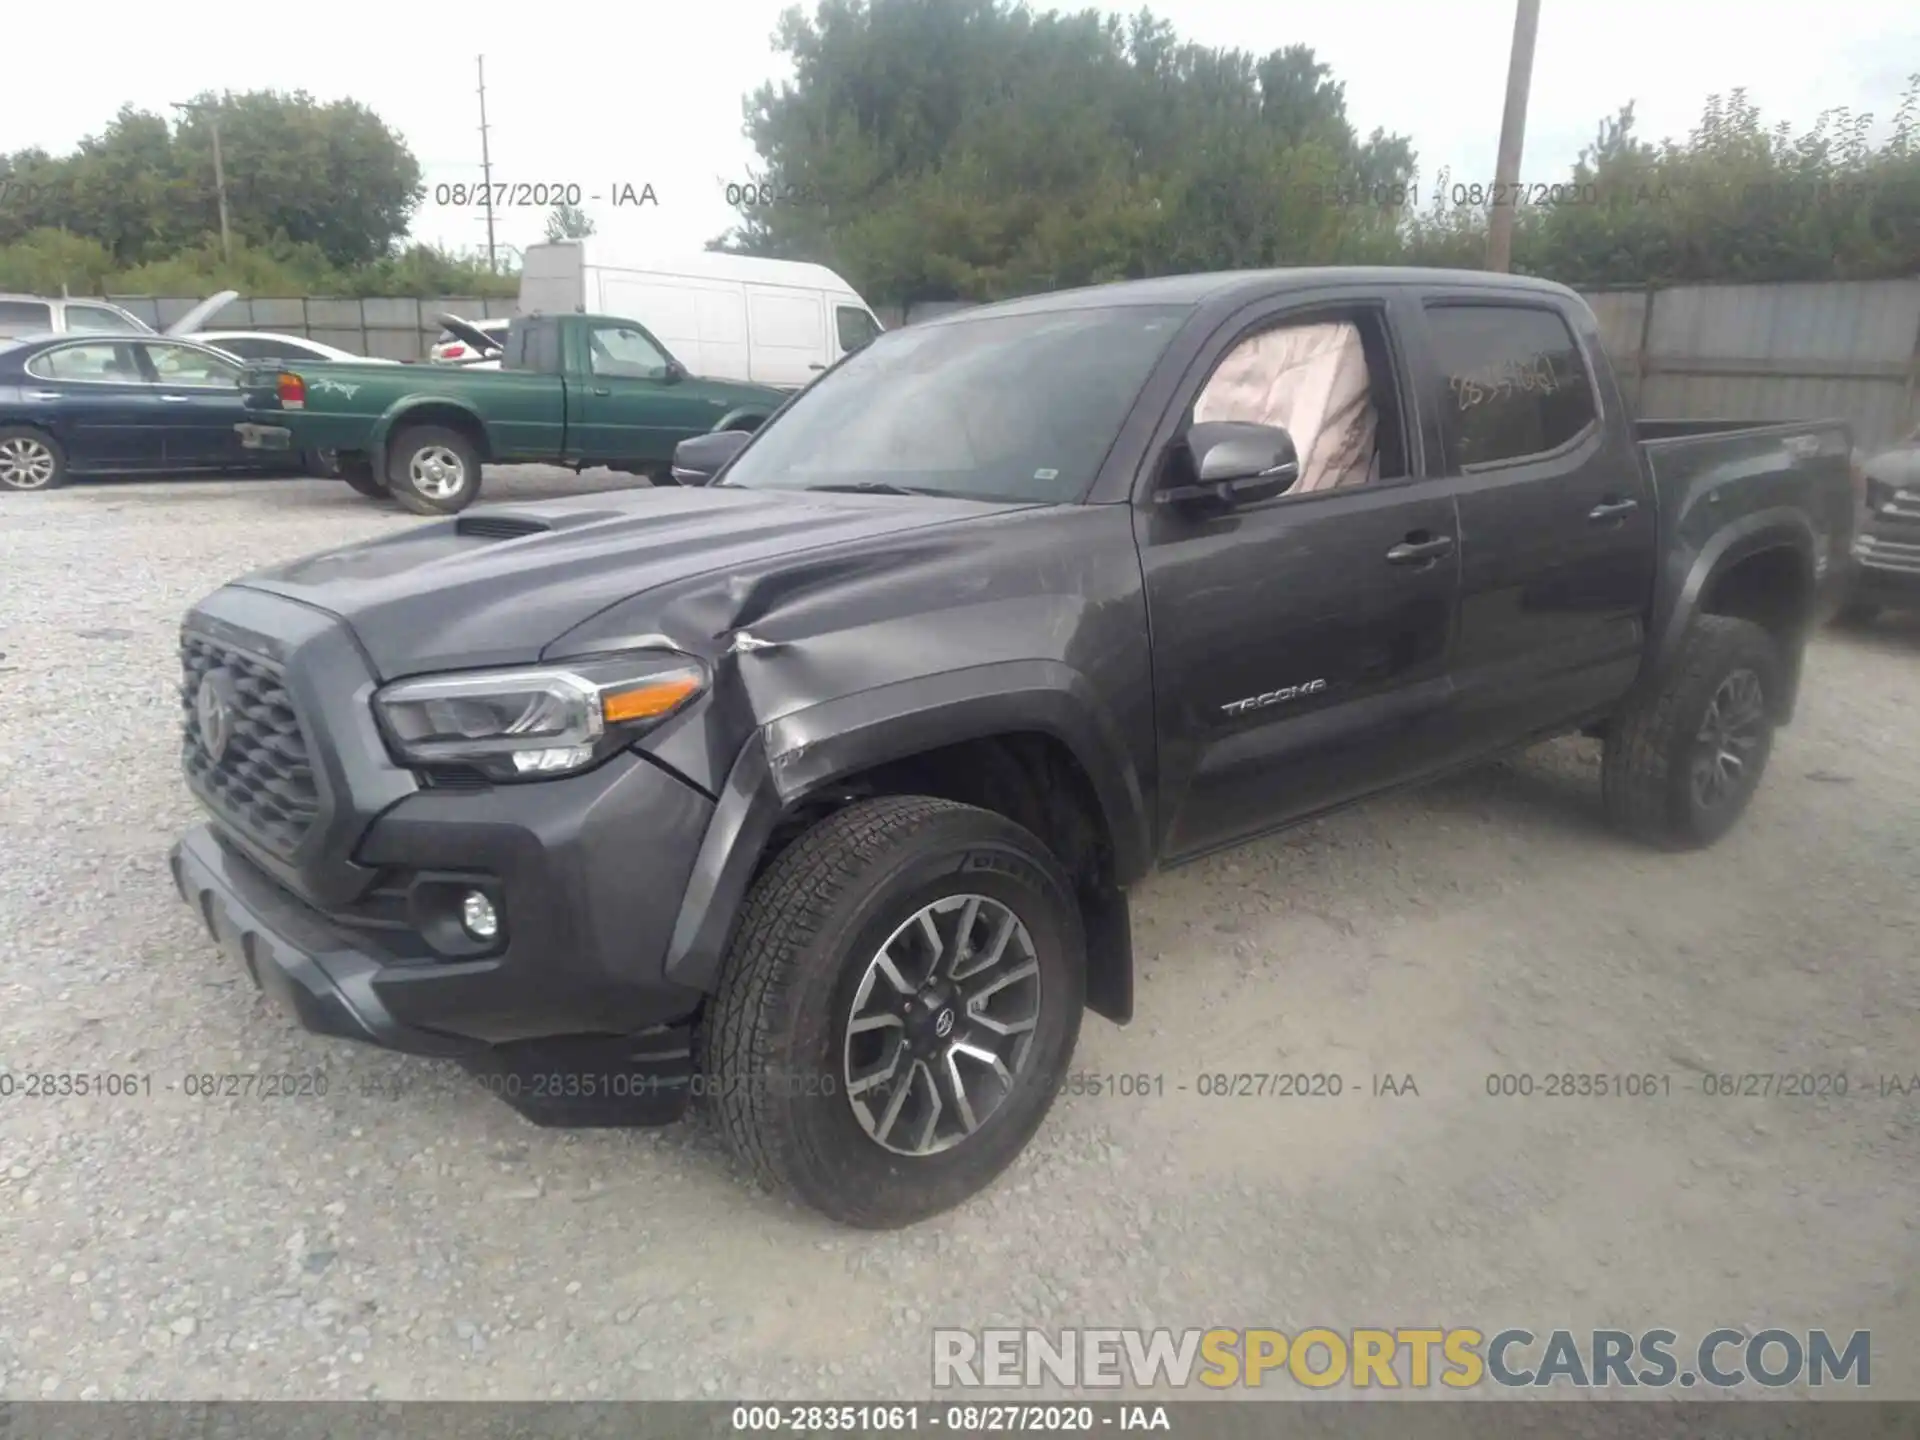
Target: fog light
477,916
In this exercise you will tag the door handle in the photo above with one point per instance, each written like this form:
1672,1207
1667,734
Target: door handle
816,367
1418,552
601,390
1612,509
44,395
176,399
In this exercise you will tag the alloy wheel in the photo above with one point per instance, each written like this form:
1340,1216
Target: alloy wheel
941,1024
25,463
437,472
1729,740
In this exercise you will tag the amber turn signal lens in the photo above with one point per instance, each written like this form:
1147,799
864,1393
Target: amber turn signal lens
645,702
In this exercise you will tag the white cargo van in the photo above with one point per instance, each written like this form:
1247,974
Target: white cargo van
727,317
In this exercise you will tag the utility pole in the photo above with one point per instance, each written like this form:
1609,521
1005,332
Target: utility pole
486,166
1513,133
219,173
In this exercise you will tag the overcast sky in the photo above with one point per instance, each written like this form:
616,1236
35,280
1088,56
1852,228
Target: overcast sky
603,94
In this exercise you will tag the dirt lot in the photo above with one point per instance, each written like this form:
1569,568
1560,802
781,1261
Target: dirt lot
408,1236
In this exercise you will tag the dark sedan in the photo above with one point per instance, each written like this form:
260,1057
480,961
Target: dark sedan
121,405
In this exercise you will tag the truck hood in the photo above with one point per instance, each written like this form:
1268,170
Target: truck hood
499,583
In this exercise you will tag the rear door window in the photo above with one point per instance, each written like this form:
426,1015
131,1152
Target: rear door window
25,317
101,363
1516,385
184,365
99,320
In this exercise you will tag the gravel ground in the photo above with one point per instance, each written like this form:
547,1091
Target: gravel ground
408,1236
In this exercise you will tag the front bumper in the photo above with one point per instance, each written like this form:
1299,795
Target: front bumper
335,878
1887,568
337,983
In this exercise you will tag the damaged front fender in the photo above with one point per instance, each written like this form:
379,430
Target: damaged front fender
805,753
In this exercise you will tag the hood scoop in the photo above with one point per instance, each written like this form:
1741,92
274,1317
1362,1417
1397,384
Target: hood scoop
499,527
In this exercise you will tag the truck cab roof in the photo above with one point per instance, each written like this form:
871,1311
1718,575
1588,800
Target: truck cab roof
1231,286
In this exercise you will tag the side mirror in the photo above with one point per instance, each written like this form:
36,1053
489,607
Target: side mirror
674,373
1238,463
697,459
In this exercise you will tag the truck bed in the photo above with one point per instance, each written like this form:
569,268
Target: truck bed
1710,477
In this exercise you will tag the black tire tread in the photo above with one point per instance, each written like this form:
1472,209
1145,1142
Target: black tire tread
1636,769
782,915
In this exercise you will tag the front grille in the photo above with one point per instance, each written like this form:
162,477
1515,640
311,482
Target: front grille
262,780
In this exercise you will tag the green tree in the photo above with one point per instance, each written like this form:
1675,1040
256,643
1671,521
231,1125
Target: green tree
973,148
1734,201
568,222
298,172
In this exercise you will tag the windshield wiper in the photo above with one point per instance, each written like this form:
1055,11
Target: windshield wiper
869,487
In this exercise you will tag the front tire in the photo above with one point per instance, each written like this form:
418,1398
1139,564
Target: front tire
851,1060
1858,613
30,459
432,470
1682,763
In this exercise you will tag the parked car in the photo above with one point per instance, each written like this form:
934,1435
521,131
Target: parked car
91,404
818,790
698,460
574,390
734,317
24,315
464,348
250,345
1886,556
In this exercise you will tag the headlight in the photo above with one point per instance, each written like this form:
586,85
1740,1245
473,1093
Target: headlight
541,721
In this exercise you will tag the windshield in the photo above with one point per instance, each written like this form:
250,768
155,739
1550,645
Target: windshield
1017,407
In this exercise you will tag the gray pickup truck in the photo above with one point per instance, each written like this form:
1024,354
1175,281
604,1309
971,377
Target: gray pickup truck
816,792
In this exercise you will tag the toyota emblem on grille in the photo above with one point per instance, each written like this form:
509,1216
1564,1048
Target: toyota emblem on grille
213,713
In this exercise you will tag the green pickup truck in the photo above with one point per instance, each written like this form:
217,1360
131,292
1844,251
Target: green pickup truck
573,390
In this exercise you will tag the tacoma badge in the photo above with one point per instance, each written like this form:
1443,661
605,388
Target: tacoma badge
1274,697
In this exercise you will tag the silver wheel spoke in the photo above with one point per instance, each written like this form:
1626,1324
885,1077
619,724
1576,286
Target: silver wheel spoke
884,1127
1000,982
930,1126
962,937
996,947
957,1087
883,966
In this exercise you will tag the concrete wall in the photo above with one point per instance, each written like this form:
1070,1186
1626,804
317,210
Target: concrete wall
395,329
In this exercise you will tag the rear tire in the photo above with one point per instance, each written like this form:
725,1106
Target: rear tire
432,470
30,460
832,987
358,472
1682,763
